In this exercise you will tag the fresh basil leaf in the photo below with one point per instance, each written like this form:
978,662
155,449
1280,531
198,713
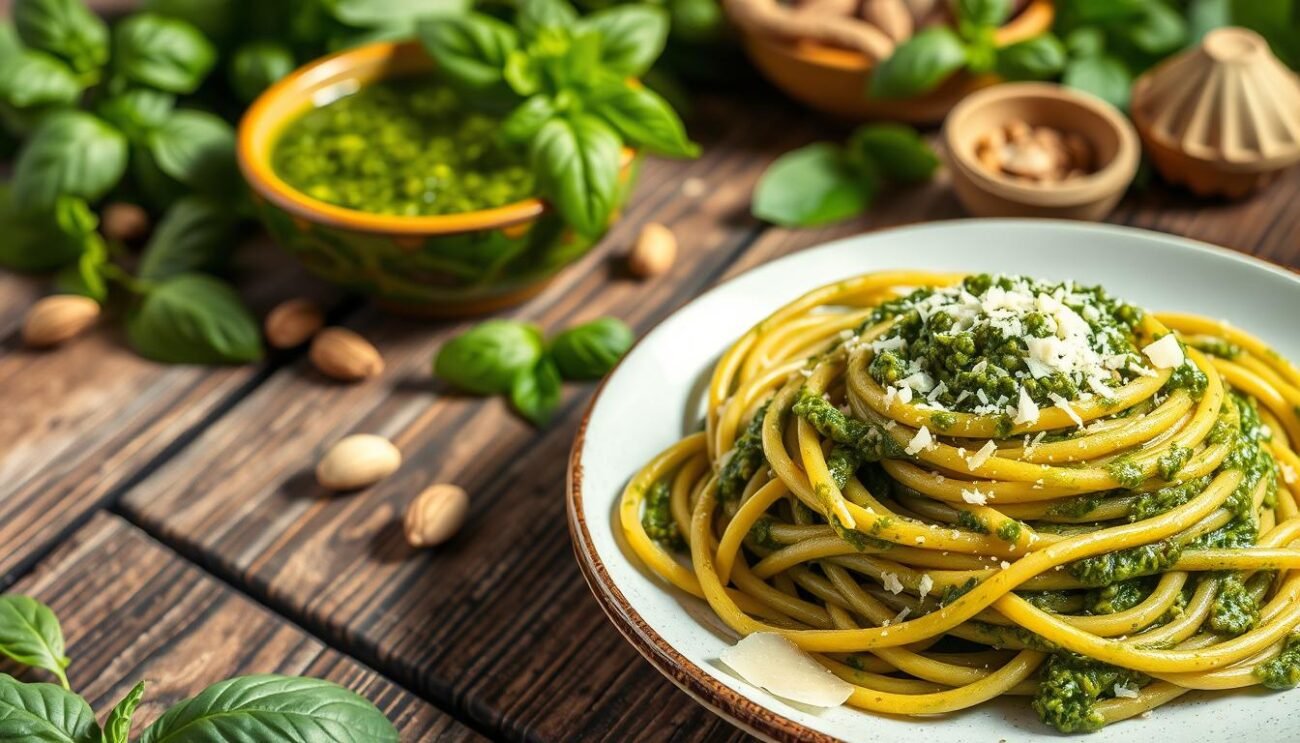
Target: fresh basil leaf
30,635
44,713
631,36
1203,16
1104,11
272,708
86,277
919,64
197,149
43,241
194,319
195,235
73,153
219,19
981,12
521,73
1103,76
1158,30
117,728
486,358
696,21
643,118
526,120
811,186
897,151
534,15
34,78
163,53
591,350
1088,41
376,13
1040,58
64,28
576,160
256,65
535,393
470,50
137,111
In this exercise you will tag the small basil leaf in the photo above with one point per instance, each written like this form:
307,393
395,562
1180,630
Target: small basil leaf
521,73
811,186
897,150
117,728
197,149
137,111
194,319
162,53
576,160
33,78
73,153
535,393
256,65
64,28
30,634
591,350
272,708
86,277
981,12
1104,76
196,234
696,20
534,15
1158,30
470,50
919,64
527,119
375,13
486,358
643,118
631,36
43,241
219,19
1040,58
1100,11
1088,41
44,713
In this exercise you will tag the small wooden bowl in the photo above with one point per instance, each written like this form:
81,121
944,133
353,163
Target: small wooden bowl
836,81
1112,138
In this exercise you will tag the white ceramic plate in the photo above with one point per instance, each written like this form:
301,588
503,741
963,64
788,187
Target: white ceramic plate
653,398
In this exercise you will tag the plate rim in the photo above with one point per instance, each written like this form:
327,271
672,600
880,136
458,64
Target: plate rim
720,699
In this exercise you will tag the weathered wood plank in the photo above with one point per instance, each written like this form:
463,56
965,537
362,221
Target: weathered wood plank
132,609
498,623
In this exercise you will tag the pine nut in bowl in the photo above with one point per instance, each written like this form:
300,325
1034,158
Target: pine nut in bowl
1039,150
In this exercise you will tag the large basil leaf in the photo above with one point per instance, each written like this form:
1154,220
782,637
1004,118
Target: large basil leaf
897,151
590,351
197,149
631,36
811,186
272,708
527,119
372,13
1104,76
535,393
194,319
1040,58
486,358
117,727
137,111
43,241
1102,11
471,50
163,53
64,28
643,118
196,234
919,64
258,64
534,15
72,153
576,160
30,634
981,12
1158,30
44,713
86,277
218,18
32,78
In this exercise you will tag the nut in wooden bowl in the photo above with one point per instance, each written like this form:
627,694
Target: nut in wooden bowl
357,461
293,322
58,318
435,515
344,355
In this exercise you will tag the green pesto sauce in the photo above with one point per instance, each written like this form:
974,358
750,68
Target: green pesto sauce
747,455
1072,684
871,442
1283,670
969,520
1133,562
403,147
657,518
1234,611
1117,597
1009,531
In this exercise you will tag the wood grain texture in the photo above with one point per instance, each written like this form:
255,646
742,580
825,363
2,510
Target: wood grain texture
133,610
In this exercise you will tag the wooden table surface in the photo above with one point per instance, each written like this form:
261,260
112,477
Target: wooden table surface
169,515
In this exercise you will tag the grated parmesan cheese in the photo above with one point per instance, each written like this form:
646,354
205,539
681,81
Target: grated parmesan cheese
926,583
1165,353
978,459
921,441
891,583
974,497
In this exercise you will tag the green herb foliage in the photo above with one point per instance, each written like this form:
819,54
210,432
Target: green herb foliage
591,350
535,393
292,710
194,319
486,359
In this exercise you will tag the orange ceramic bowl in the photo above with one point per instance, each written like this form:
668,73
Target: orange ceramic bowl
836,81
450,264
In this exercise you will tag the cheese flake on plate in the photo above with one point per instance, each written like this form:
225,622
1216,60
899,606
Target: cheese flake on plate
977,460
1165,353
771,662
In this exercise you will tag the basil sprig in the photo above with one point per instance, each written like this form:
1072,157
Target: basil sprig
245,708
506,357
570,82
824,182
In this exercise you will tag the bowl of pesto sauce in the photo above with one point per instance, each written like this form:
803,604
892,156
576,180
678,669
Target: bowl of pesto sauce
384,179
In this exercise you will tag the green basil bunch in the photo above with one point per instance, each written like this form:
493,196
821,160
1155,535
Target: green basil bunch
506,357
825,182
246,708
571,84
98,110
1110,43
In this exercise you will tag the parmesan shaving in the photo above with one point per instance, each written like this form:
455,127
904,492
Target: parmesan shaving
770,661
